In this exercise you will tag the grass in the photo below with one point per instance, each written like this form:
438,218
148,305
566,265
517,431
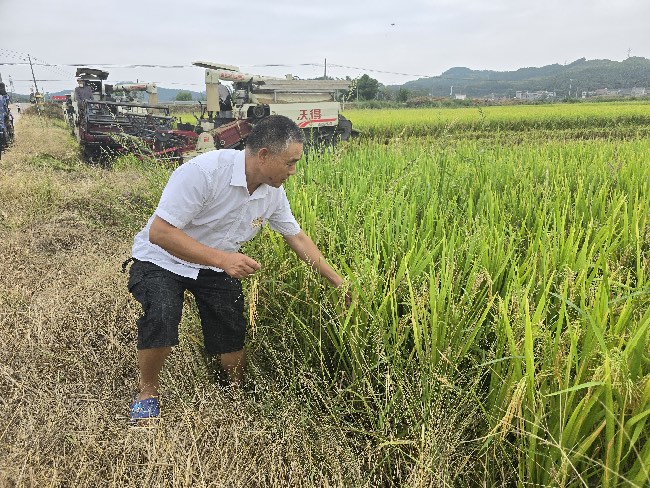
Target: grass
498,334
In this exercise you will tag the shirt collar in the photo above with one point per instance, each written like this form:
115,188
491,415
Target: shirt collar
239,177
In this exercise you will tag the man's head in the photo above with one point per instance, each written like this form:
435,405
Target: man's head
274,133
276,145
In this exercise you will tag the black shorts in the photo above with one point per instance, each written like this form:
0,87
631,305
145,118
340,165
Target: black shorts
219,298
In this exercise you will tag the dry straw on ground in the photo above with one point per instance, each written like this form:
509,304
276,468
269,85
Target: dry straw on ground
67,352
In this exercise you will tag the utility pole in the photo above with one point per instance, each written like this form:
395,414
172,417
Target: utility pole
33,77
570,82
325,75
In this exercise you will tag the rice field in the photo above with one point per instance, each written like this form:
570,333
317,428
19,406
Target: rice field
511,280
581,120
498,334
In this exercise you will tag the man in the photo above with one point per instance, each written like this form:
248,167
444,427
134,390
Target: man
212,205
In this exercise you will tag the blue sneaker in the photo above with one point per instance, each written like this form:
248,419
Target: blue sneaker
147,409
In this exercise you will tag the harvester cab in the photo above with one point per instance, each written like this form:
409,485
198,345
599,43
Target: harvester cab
90,84
231,113
89,88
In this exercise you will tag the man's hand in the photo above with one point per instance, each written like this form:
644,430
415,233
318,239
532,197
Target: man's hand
343,288
306,250
239,265
179,244
348,299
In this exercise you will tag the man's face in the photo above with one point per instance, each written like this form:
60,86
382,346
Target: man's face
277,167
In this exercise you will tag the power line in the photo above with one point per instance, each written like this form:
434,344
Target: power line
35,61
78,65
55,66
269,65
372,70
153,81
385,72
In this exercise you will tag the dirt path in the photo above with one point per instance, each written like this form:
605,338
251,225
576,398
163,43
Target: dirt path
14,110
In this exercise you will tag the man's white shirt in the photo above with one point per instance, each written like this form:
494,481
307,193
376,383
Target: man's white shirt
208,199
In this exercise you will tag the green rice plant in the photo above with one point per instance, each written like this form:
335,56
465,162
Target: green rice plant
575,121
514,276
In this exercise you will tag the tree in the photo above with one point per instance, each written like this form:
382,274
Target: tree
385,93
403,95
367,87
184,96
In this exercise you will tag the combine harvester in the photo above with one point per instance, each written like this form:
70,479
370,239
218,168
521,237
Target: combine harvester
6,119
106,120
230,114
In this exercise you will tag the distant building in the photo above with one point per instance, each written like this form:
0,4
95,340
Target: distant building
605,92
458,96
621,92
536,95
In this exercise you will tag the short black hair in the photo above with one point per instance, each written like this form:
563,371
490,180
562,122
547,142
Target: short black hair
275,133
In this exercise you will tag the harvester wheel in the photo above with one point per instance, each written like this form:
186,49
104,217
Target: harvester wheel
258,111
91,155
344,130
6,138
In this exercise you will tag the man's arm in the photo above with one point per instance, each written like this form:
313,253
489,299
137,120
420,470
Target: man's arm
178,243
306,250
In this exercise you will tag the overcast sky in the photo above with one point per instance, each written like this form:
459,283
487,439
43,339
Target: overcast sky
414,37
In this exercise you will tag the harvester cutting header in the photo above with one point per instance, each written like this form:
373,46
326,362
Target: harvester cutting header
108,119
231,113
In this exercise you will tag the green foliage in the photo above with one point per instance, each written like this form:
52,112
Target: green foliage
367,87
402,95
50,110
184,96
385,94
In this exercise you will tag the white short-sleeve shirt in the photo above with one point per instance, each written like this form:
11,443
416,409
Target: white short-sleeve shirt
208,199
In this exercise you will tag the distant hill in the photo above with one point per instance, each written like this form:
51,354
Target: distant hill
164,94
169,94
581,75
